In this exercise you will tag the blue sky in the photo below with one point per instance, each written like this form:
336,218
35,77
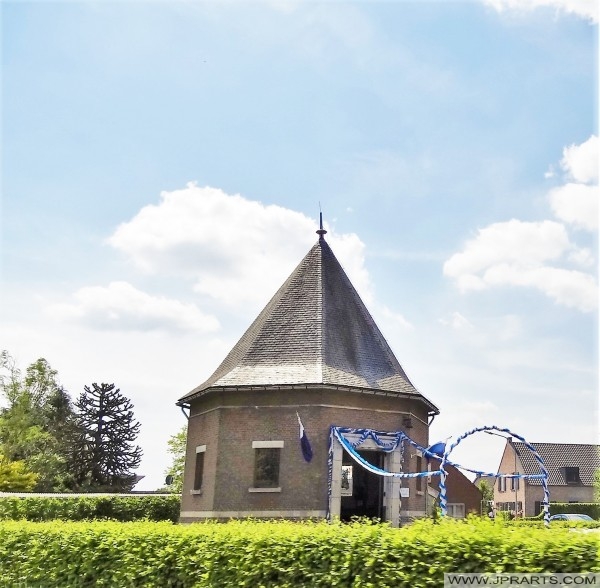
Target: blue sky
163,166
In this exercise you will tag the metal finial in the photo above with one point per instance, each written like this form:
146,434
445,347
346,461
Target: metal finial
321,230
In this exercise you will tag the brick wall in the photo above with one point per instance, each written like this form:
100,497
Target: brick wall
228,421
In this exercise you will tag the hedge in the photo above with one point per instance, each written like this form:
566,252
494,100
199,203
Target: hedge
589,508
282,554
78,508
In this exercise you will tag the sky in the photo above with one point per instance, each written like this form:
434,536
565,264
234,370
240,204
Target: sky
164,164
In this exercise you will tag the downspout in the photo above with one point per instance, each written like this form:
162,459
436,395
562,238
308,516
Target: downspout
185,414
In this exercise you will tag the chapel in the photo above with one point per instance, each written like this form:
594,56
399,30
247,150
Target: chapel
313,359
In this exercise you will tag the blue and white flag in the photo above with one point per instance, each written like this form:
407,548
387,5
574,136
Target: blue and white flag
307,453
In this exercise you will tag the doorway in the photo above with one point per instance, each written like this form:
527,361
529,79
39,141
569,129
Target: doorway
362,491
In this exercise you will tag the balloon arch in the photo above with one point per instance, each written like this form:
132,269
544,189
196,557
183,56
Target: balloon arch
394,441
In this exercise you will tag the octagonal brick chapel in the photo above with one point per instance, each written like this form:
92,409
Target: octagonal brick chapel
314,356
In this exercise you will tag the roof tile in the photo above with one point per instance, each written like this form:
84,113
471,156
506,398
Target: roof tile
315,330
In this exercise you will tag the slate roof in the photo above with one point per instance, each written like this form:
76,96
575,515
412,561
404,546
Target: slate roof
556,457
315,330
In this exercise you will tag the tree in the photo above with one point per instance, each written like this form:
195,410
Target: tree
597,485
15,477
107,432
487,491
176,447
31,428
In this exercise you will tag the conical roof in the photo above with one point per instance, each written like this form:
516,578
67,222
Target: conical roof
314,331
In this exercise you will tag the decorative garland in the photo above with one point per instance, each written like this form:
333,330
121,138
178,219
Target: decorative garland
350,447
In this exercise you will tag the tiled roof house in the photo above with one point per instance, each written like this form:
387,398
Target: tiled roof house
571,468
316,352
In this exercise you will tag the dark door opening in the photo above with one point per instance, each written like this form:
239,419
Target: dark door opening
362,491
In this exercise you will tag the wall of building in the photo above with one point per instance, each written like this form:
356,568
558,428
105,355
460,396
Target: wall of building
459,489
228,421
557,494
509,464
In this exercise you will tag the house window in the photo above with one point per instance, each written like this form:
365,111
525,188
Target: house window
267,456
514,482
572,475
501,484
199,469
456,510
419,479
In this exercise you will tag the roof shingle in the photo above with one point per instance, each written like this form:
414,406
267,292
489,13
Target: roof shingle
556,457
315,330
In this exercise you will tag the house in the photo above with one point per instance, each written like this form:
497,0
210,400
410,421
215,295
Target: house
571,468
314,353
463,496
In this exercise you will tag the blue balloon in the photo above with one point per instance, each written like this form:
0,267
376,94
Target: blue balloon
436,450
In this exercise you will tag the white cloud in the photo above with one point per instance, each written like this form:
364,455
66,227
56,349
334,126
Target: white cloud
389,316
120,306
576,204
587,9
236,251
516,253
456,321
581,161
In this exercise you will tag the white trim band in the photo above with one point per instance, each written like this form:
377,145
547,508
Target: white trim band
266,444
264,489
238,514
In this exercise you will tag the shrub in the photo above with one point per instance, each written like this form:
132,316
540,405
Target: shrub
589,508
283,554
78,508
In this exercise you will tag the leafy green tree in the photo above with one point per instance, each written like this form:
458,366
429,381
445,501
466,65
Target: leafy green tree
176,447
107,431
31,428
15,476
487,490
597,485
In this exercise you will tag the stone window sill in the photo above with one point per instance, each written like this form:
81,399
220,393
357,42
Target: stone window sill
196,492
264,489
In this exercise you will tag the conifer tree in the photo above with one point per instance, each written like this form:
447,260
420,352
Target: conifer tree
107,433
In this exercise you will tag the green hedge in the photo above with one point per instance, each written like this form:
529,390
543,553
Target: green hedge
589,508
278,554
79,508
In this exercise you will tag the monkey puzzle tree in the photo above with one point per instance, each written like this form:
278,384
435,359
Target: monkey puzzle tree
107,433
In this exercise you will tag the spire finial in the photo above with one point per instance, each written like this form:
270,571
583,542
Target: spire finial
321,230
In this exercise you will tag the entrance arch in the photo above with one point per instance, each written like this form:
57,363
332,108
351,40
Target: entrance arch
543,476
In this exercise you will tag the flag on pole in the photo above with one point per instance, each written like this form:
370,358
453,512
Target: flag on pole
307,453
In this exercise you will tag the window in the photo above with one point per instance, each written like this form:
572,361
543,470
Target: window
502,484
456,510
572,475
199,469
267,455
419,479
514,482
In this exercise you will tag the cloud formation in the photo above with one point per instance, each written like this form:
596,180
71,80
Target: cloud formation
541,255
587,9
576,202
120,306
518,253
234,250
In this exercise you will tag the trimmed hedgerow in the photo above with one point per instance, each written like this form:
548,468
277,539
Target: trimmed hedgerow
591,509
282,554
79,508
